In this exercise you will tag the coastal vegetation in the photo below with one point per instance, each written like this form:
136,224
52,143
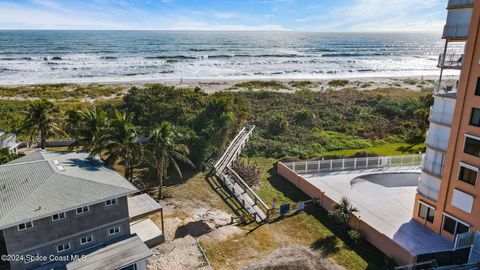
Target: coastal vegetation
154,132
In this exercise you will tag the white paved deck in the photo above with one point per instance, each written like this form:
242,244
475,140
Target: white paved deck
386,204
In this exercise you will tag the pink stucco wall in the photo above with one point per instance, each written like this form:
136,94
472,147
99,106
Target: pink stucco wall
387,245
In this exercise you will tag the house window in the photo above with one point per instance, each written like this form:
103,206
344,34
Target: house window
454,226
25,226
58,216
477,90
468,174
475,118
130,267
472,146
82,210
426,212
114,230
63,247
86,240
111,202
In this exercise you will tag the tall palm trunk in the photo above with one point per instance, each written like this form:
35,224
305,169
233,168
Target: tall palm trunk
160,177
43,138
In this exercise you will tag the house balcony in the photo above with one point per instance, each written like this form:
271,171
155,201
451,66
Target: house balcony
456,31
440,117
450,61
460,4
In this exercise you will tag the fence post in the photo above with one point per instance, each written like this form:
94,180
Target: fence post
366,164
318,167
331,164
343,163
293,166
355,163
306,166
378,162
401,162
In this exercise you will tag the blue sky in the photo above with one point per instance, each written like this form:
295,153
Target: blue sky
296,15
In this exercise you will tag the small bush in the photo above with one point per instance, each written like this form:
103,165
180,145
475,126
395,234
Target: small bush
354,236
249,172
338,83
275,85
410,81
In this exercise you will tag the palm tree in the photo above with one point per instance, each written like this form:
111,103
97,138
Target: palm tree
90,125
118,142
164,151
42,119
344,211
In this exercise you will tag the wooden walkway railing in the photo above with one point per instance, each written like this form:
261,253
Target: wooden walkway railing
249,200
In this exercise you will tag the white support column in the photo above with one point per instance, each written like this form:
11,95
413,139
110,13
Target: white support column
331,164
354,163
366,164
318,166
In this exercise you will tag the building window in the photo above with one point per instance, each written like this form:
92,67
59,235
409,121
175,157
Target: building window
468,174
114,230
111,202
58,216
63,247
477,91
472,146
454,226
130,267
426,212
86,240
475,118
25,226
82,210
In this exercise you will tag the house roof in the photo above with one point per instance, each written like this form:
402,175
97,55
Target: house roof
114,256
44,183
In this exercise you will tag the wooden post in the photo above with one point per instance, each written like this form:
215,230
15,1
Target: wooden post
161,218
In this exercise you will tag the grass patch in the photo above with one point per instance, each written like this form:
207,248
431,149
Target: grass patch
62,91
338,83
392,149
261,85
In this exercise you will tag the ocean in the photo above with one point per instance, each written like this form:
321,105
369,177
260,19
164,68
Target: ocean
28,57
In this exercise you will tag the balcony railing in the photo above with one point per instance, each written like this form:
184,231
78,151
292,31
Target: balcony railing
440,117
427,192
446,86
450,61
460,3
432,167
456,31
436,143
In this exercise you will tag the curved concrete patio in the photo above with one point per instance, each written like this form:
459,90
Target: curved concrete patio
385,199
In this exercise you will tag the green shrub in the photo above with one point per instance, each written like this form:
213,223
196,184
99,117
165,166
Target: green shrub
354,237
338,83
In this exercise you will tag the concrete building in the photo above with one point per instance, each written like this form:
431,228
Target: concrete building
9,141
447,199
55,205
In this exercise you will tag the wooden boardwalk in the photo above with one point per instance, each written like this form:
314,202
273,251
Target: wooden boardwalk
249,200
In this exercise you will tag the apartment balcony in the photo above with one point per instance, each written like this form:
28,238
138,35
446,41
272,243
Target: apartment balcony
432,167
440,117
460,4
446,87
428,187
456,31
450,61
436,143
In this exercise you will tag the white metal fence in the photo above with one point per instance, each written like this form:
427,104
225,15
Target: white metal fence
316,166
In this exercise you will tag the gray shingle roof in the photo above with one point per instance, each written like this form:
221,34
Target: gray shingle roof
34,187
